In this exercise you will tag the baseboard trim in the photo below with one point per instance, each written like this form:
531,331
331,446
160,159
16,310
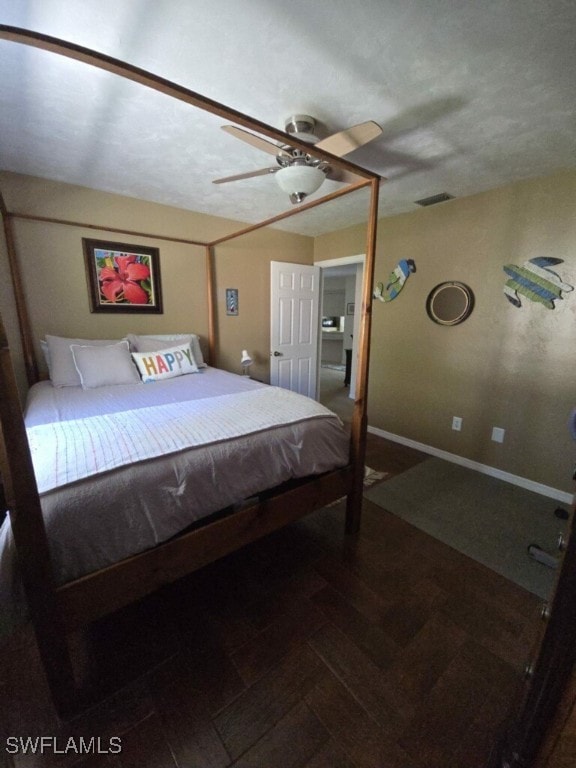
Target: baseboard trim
523,482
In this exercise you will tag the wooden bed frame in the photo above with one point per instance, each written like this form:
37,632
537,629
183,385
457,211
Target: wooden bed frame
56,611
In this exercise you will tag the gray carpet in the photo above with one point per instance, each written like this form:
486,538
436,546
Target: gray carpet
487,519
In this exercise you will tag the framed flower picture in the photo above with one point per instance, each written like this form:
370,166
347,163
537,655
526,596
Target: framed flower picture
122,277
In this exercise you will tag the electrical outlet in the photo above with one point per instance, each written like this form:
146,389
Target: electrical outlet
498,434
456,423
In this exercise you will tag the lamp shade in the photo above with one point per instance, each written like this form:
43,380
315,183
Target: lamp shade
245,359
299,181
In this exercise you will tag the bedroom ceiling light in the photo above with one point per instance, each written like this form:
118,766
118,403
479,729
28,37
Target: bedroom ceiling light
299,181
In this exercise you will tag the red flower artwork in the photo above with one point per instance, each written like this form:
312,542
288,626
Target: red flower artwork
122,277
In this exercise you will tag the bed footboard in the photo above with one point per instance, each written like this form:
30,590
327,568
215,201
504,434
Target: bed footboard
97,594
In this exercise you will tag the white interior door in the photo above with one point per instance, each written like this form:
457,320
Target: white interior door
294,310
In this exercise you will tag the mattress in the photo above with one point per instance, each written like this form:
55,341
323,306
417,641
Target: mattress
121,469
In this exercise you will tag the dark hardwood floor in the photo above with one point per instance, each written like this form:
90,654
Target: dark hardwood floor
305,650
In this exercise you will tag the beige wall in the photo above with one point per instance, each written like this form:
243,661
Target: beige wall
507,367
53,273
244,263
504,366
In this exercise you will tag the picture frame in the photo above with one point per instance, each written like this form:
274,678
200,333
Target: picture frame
122,277
350,308
232,301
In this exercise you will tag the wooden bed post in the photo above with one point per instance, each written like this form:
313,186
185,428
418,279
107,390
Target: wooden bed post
30,537
210,290
20,301
360,415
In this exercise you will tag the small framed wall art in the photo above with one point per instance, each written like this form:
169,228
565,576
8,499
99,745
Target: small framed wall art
122,277
231,301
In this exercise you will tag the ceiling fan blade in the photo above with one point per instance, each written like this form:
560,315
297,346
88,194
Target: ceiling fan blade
345,177
255,141
344,142
249,175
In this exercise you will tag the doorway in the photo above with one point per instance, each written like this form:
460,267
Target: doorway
338,334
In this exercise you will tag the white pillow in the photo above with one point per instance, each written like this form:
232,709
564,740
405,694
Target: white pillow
152,343
46,354
63,371
165,363
104,366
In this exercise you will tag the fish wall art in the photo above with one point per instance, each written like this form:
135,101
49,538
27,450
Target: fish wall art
396,281
535,281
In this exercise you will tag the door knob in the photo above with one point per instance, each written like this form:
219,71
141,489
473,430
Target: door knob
278,354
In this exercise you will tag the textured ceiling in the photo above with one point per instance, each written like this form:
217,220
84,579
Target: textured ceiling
470,96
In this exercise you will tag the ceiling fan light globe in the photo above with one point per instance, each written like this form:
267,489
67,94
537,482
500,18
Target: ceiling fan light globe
299,181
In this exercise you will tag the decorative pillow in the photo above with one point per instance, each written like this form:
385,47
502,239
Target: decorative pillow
165,363
63,371
152,343
104,366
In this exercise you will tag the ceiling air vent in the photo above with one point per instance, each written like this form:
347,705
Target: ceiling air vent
441,198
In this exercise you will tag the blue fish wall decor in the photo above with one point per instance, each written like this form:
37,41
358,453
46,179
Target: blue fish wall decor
536,281
396,281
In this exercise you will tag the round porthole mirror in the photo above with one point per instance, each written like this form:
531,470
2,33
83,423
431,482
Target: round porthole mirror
449,303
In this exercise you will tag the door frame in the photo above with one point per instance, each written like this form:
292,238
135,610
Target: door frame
359,258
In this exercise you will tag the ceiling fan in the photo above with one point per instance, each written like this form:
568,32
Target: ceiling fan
298,173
